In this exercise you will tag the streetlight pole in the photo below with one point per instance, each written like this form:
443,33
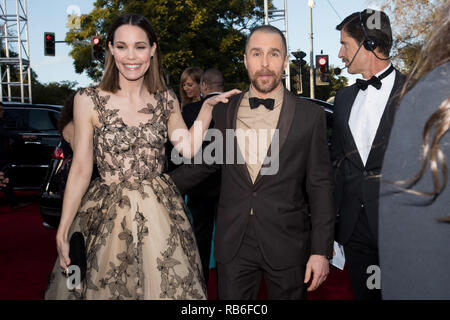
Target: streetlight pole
311,5
266,12
288,69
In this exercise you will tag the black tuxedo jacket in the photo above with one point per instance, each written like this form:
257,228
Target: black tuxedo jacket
357,185
293,209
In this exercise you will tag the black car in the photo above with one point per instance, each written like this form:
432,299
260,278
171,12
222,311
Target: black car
51,203
328,108
29,158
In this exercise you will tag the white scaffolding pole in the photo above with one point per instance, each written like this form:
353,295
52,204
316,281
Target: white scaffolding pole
14,38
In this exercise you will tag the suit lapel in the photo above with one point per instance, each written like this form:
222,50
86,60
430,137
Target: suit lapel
384,129
284,125
350,149
238,159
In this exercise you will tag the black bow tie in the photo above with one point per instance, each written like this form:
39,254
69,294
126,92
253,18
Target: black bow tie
374,81
256,102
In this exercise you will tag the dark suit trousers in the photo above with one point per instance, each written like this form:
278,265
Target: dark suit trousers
361,251
240,278
203,211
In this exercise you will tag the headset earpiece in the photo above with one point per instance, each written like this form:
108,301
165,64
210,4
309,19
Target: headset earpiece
369,43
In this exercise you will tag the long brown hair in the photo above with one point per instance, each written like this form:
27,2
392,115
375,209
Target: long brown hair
436,52
154,77
66,115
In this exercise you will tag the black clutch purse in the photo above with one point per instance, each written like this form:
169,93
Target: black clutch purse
77,252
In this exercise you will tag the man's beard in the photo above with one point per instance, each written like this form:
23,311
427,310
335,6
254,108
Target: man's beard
268,86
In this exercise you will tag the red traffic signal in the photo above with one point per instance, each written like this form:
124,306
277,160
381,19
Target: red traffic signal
97,51
322,61
49,43
322,70
96,41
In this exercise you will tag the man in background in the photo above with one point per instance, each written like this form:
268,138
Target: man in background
202,200
363,116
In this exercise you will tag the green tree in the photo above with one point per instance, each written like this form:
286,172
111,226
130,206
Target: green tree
411,22
191,33
53,92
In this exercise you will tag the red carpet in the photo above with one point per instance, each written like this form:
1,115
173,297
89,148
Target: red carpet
28,253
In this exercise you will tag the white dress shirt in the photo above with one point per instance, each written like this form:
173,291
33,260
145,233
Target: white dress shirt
366,113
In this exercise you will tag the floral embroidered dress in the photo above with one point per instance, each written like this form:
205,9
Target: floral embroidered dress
139,240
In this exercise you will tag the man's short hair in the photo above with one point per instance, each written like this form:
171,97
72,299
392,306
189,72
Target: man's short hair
269,29
213,78
376,24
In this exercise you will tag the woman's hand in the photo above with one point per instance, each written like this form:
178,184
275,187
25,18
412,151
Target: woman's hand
223,97
188,141
62,245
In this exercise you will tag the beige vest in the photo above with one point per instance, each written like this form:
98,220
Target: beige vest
255,129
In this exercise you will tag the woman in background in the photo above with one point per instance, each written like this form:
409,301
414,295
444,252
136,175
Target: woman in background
190,85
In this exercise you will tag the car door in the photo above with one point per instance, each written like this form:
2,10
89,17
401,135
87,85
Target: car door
43,125
30,157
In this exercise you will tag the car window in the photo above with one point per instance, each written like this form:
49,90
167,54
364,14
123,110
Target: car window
16,119
43,120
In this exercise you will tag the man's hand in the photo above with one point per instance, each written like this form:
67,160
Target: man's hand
318,266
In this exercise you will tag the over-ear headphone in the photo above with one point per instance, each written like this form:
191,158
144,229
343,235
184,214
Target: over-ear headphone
369,43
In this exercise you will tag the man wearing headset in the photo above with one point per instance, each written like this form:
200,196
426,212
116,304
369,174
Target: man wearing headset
363,115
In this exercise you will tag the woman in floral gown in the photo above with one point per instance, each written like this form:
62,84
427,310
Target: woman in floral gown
139,241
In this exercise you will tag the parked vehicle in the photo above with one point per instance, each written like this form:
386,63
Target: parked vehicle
51,202
29,159
328,108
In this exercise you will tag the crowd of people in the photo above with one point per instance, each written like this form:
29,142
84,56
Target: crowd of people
281,199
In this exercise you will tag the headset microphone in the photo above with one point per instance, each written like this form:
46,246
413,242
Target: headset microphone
337,71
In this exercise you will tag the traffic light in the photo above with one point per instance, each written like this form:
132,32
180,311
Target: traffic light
297,83
322,70
49,44
299,61
97,52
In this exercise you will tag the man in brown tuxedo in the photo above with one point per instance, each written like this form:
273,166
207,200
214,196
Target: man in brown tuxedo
276,213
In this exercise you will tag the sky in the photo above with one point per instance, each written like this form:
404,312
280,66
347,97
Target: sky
51,16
